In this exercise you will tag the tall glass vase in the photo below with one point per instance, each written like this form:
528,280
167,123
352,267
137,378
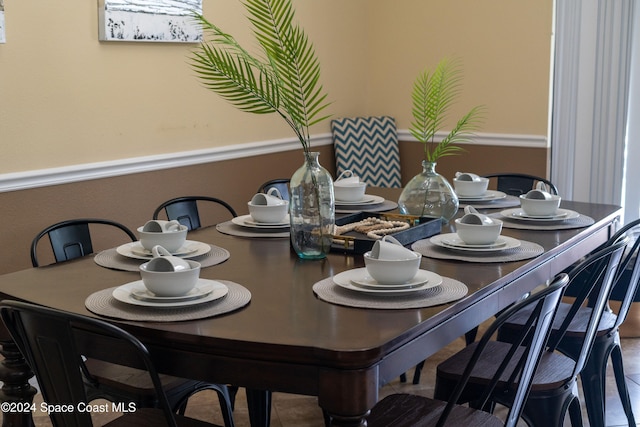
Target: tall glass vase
311,209
429,194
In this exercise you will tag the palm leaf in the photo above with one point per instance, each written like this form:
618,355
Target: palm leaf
285,77
433,95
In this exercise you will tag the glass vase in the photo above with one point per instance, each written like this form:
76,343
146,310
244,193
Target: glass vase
311,209
429,194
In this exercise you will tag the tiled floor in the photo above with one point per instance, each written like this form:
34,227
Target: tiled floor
302,411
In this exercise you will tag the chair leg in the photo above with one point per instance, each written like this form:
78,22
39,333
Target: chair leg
417,372
575,413
470,336
593,379
621,383
259,405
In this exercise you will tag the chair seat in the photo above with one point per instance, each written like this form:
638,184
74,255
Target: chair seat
406,410
576,327
149,417
123,382
554,371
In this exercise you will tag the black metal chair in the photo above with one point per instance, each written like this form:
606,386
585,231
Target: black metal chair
49,340
554,389
116,383
72,239
282,184
516,184
515,373
607,340
185,209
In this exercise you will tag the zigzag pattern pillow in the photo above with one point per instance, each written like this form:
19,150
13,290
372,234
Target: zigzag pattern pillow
368,146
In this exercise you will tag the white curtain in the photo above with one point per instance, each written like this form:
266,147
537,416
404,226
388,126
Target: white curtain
591,120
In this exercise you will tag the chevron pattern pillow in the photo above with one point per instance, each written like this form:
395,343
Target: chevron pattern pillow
368,146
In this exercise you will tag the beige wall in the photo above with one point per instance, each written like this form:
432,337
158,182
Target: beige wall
68,99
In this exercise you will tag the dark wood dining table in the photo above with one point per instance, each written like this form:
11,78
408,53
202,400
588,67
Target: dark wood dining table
287,339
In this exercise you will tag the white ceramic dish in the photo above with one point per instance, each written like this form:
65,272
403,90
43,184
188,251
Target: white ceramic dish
490,195
201,290
540,207
519,214
457,242
421,278
190,249
474,188
368,199
170,240
248,222
346,280
393,271
442,239
124,294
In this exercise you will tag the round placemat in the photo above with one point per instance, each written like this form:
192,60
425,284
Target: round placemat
526,250
110,258
579,222
450,290
103,303
232,229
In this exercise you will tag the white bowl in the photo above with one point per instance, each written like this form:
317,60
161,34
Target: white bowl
350,192
270,214
392,271
171,240
170,283
540,207
471,188
479,234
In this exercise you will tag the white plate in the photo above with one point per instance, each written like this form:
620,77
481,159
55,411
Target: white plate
457,242
486,197
201,290
190,249
248,222
348,279
441,239
519,214
368,199
124,294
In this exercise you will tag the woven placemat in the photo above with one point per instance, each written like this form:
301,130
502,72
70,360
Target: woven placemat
103,303
110,258
526,250
579,222
235,230
507,202
449,290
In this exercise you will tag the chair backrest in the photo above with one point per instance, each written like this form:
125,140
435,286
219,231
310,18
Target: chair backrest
368,146
185,209
516,184
47,338
628,273
595,274
282,184
524,353
72,239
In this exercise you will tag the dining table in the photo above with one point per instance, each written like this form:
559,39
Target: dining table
284,336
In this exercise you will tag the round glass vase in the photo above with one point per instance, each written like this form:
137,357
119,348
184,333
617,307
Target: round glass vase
311,209
429,194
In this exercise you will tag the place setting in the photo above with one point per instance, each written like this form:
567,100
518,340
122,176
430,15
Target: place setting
170,289
391,279
472,189
477,239
172,236
540,210
350,195
268,217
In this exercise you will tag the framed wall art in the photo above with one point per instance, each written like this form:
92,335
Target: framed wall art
2,36
149,20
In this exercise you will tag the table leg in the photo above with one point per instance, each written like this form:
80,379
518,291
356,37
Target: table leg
16,395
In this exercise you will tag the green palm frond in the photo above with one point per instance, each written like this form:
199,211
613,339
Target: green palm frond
433,95
284,79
